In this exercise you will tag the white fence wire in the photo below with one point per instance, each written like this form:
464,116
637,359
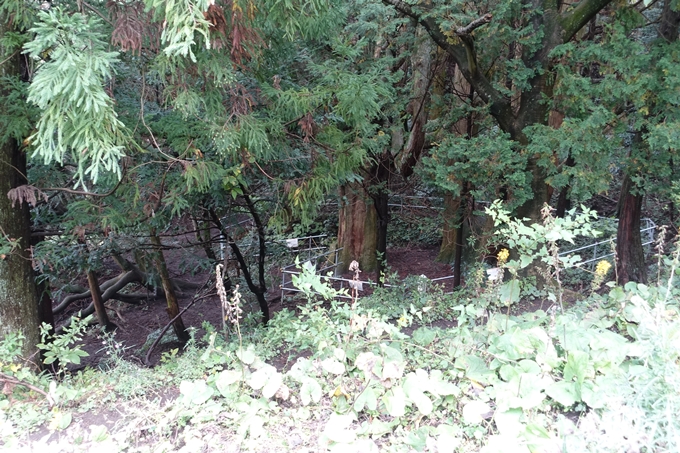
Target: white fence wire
592,253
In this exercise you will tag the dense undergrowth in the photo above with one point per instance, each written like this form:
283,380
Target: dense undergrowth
377,374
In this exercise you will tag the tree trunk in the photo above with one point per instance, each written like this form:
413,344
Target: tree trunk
97,301
381,203
447,250
258,290
357,229
18,295
629,253
170,296
418,108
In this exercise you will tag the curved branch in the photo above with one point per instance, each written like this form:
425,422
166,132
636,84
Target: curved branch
573,20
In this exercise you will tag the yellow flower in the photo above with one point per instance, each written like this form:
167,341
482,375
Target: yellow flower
503,256
602,268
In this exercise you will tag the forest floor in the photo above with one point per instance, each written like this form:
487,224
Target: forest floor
139,325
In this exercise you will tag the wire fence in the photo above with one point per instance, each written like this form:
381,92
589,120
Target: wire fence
327,263
592,253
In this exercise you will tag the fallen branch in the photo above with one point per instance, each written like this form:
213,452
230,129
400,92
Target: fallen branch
167,326
11,380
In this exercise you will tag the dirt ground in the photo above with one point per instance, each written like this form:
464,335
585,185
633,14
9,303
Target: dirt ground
139,325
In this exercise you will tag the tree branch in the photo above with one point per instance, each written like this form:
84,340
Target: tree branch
469,28
572,21
463,54
14,381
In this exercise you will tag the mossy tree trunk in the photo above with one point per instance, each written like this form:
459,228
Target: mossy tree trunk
18,294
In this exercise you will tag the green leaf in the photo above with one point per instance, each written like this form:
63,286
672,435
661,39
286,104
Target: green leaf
395,402
578,366
367,399
259,378
563,392
195,393
424,336
509,292
310,391
248,356
273,384
337,428
440,387
508,422
475,368
333,366
225,381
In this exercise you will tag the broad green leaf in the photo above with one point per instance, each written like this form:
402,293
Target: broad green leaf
337,428
509,292
248,356
505,444
367,399
259,378
60,420
310,391
196,392
508,422
424,336
439,386
395,402
578,366
563,392
417,439
273,384
475,368
333,366
225,380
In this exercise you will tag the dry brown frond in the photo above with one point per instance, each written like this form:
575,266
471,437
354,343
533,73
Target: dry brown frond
132,24
308,126
26,193
218,32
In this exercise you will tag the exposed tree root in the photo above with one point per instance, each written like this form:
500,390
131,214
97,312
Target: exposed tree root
111,288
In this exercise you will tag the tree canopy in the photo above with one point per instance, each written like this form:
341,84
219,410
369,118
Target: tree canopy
137,116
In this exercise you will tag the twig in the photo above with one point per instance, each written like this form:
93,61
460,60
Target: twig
167,326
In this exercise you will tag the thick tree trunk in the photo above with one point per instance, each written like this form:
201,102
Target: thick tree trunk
357,229
170,296
18,295
629,253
